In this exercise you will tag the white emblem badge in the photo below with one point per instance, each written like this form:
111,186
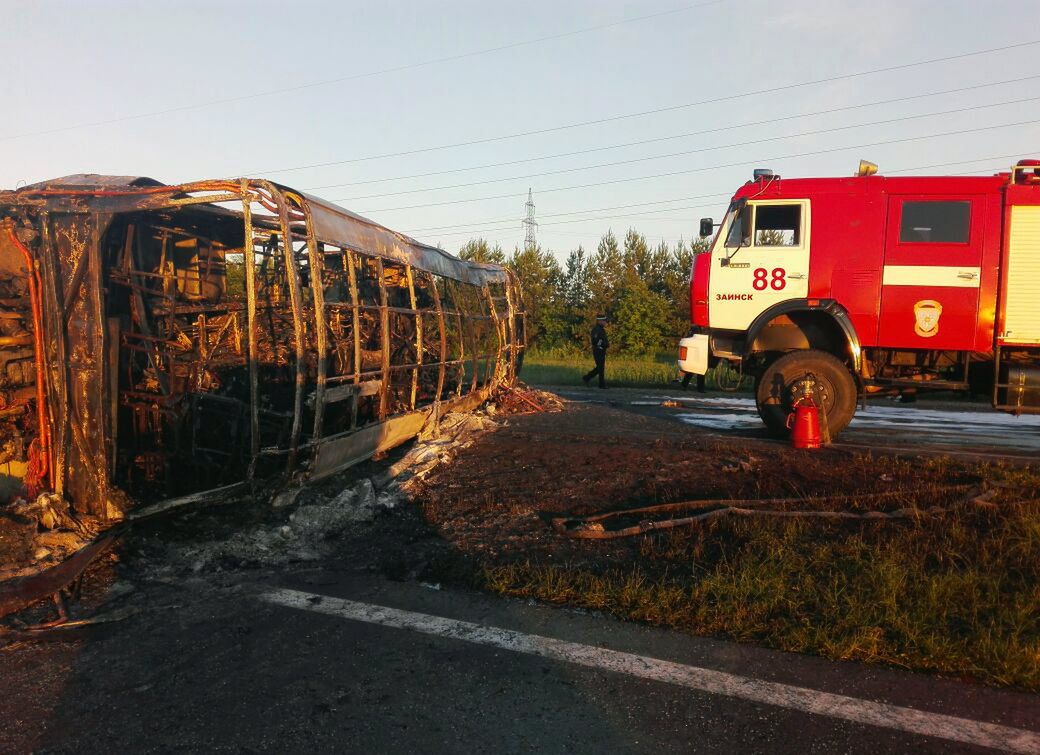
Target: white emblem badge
926,316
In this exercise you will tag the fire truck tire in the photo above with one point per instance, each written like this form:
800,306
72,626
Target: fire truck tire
773,389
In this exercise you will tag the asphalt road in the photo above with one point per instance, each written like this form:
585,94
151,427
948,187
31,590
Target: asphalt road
923,427
215,665
360,657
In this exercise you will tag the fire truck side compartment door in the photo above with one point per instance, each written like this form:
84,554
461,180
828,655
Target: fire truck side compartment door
932,272
747,280
1021,311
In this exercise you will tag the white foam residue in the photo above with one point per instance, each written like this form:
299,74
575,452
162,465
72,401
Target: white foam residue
902,415
992,427
718,421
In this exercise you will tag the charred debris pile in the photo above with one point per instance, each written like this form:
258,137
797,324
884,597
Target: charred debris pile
169,344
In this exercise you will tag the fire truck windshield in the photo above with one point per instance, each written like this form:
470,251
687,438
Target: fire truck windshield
740,225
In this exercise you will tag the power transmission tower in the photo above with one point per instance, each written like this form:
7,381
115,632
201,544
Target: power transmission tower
530,242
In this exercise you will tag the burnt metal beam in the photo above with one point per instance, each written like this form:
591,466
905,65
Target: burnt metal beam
173,369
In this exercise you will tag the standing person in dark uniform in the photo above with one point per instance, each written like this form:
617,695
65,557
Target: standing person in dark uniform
599,351
686,381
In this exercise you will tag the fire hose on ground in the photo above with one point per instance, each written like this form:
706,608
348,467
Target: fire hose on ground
595,526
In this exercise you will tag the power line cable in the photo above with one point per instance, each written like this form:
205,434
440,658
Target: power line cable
562,214
668,108
478,224
469,229
573,212
367,74
709,167
683,153
595,219
1017,155
640,142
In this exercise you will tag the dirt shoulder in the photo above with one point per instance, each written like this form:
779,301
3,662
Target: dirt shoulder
948,587
500,496
954,593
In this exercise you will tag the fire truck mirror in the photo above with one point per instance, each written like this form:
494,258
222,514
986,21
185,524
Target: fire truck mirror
707,227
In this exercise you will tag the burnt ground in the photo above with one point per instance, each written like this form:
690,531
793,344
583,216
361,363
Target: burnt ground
497,500
191,662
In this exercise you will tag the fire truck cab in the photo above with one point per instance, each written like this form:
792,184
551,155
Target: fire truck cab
873,285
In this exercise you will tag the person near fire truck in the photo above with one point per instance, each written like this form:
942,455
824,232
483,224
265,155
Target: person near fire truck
600,344
686,376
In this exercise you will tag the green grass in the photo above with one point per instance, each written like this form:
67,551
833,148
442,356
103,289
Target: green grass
567,368
956,594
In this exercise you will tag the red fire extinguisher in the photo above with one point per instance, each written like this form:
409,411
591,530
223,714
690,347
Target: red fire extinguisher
804,423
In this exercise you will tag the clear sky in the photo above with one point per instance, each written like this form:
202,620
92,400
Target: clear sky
74,64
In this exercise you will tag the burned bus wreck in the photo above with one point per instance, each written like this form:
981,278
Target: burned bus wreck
162,341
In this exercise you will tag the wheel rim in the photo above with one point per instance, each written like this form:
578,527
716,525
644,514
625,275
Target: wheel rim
785,401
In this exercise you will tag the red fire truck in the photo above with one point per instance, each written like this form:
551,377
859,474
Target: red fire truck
873,285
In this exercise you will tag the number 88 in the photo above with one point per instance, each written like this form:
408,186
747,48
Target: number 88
762,281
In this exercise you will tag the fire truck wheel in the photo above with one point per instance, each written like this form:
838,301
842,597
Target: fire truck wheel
774,387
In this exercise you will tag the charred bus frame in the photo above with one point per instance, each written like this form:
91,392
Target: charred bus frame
166,341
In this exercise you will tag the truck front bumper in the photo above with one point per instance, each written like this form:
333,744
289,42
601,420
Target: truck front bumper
693,354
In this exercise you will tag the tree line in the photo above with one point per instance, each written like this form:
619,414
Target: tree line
644,291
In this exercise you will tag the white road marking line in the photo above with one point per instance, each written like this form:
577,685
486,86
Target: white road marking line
887,716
